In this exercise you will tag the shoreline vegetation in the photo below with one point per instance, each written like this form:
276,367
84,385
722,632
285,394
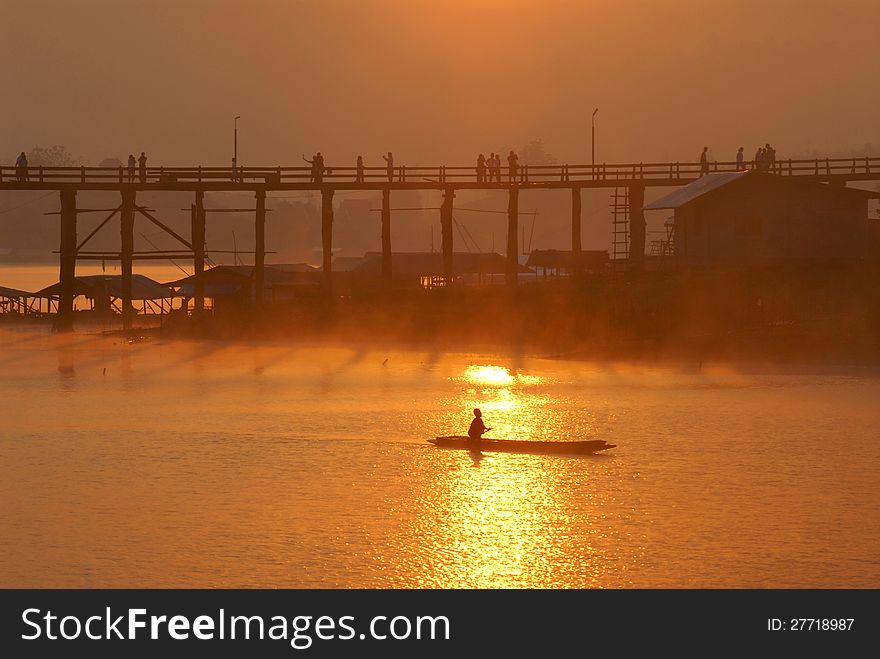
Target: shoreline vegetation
811,315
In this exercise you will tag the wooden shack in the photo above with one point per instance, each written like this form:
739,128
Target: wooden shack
752,216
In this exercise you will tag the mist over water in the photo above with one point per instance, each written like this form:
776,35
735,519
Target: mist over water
151,462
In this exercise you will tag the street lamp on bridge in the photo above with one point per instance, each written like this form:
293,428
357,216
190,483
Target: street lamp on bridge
235,143
593,136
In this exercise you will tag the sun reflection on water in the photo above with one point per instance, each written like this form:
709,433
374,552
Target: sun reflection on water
515,405
502,520
497,376
505,520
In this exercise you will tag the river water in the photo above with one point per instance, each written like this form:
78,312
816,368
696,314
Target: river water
170,463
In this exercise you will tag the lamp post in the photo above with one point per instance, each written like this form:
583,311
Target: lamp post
593,138
235,147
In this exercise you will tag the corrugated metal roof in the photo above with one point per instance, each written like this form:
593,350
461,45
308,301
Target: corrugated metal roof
711,182
14,293
142,288
226,280
698,188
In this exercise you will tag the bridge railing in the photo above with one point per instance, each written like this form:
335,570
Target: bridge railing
438,174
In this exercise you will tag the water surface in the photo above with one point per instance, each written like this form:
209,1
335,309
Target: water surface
161,463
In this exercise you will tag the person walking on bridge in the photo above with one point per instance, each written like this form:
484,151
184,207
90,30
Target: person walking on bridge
359,174
481,168
770,157
132,163
21,167
317,163
704,161
496,166
389,160
740,165
142,164
513,165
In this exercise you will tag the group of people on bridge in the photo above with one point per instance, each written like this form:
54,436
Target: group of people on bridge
489,169
21,167
319,169
765,160
141,164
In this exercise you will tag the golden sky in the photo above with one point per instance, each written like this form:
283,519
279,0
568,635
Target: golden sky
437,81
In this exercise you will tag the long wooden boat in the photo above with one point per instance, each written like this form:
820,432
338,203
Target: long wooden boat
522,445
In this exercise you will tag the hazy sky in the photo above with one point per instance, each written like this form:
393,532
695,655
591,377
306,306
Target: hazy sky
436,81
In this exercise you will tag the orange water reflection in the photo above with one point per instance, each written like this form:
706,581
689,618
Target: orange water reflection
515,404
203,464
507,520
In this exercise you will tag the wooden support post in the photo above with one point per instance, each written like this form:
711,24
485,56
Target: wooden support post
126,255
327,236
67,275
446,235
576,229
512,269
386,237
198,243
260,247
636,224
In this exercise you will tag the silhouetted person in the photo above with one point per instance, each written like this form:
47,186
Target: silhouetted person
513,165
389,159
759,159
317,163
142,167
477,426
770,157
704,161
496,165
21,167
740,165
132,163
359,176
481,168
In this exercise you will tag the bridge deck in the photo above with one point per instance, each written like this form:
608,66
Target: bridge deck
839,170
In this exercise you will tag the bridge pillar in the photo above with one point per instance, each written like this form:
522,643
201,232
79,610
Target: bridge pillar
636,224
198,243
327,236
446,234
259,246
576,229
67,275
512,270
127,255
386,238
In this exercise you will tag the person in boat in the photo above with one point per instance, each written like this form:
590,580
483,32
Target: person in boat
475,432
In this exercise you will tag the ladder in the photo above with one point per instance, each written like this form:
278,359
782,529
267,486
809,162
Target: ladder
620,223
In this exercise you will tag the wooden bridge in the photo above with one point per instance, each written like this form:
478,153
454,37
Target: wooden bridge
635,177
403,177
